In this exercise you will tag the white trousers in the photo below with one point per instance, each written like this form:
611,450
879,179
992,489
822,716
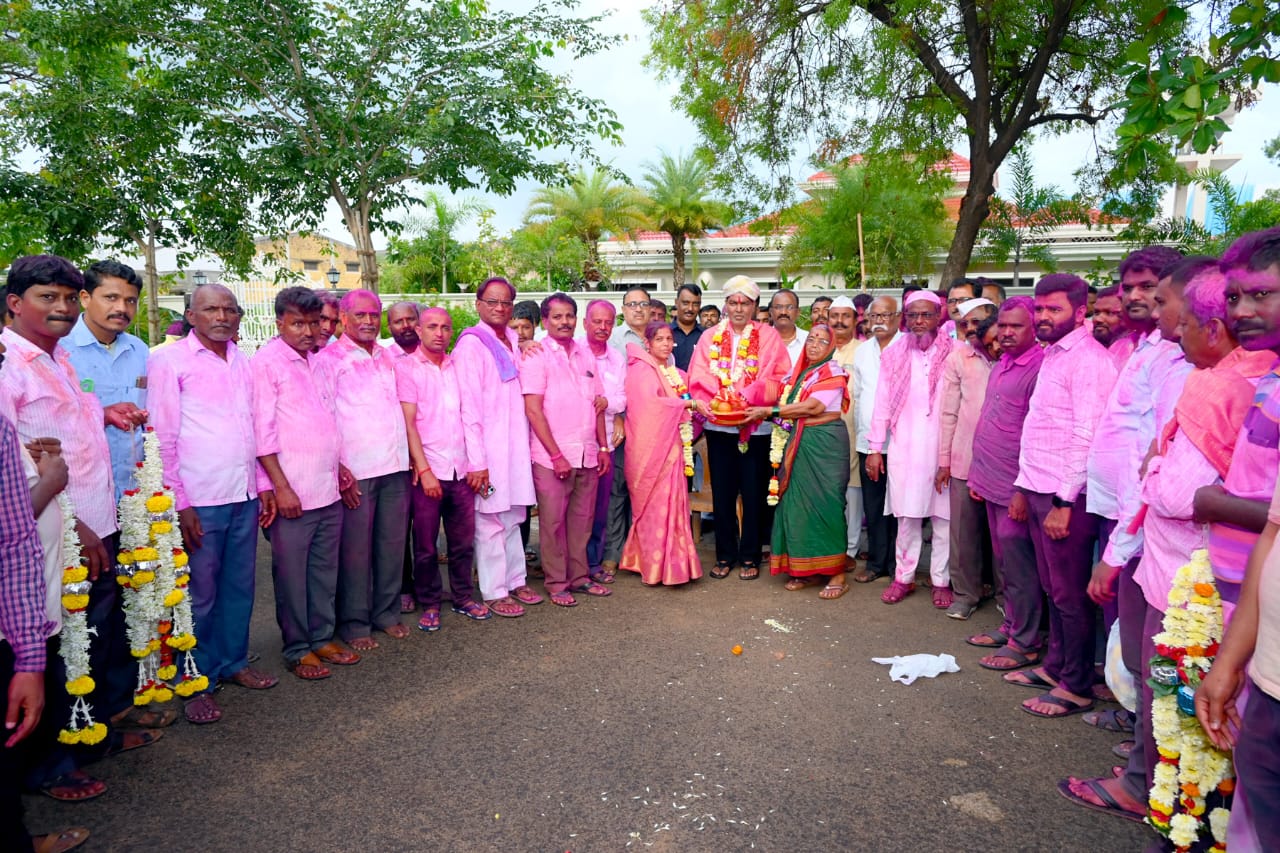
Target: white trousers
853,518
499,553
910,541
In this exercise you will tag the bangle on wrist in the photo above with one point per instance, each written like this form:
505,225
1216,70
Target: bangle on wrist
604,449
556,456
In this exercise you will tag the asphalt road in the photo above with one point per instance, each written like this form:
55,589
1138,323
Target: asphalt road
624,724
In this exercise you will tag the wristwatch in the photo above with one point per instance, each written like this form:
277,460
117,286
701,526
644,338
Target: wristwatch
1061,504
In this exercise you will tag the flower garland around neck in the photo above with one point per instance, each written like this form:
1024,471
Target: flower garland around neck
74,641
1190,768
686,425
777,447
152,570
720,356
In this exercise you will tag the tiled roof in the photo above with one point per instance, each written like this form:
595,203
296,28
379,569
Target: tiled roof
954,163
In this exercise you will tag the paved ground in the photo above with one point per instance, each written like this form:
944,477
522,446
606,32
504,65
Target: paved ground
625,724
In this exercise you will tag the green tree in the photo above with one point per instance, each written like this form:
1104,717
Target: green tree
426,248
109,127
546,256
680,205
1178,90
759,77
363,101
591,206
1017,224
903,221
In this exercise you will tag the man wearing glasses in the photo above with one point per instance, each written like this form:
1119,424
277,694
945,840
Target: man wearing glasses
496,433
784,307
960,291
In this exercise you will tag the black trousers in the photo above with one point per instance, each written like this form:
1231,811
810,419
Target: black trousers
882,530
13,832
735,475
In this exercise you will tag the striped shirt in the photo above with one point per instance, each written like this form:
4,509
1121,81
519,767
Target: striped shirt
22,585
41,395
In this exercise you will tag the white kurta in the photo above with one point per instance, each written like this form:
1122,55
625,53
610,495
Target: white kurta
913,450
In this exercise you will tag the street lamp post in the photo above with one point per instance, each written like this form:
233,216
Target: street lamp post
200,278
333,275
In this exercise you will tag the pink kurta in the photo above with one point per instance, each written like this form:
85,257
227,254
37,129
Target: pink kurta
913,449
660,546
493,418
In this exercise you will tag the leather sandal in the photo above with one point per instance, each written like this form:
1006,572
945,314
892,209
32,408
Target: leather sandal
309,667
331,652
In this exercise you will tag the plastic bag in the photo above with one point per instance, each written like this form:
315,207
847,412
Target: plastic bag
1119,679
908,668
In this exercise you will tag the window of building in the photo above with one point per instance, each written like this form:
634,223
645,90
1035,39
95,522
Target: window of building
311,265
353,266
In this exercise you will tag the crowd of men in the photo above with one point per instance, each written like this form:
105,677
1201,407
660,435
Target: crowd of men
1065,452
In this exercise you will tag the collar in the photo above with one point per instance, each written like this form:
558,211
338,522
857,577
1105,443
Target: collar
1027,356
18,347
196,346
445,361
1069,340
81,336
287,352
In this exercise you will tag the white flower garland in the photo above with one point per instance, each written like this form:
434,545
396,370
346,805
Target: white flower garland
777,447
73,646
1190,768
686,425
152,571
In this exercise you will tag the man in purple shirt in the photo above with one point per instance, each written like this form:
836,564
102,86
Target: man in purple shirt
991,475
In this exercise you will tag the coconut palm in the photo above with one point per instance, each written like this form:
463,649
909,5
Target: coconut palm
591,205
678,204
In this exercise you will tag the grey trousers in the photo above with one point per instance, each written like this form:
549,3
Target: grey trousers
968,534
371,557
615,534
304,571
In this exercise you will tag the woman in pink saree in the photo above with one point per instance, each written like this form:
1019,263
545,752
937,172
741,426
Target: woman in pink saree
660,546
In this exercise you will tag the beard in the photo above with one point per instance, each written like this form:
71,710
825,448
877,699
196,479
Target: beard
924,340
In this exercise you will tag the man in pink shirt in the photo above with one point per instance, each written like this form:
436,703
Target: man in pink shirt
497,441
42,395
200,395
298,444
611,367
1071,394
427,386
329,312
360,377
964,389
564,400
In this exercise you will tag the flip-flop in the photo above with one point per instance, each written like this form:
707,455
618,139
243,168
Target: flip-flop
592,588
429,622
78,781
202,710
526,595
721,570
832,591
309,668
797,584
137,739
563,599
1007,651
1112,807
749,571
865,575
1035,681
1068,707
989,640
60,842
1117,720
1123,749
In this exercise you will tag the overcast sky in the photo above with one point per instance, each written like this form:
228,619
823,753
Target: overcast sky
651,124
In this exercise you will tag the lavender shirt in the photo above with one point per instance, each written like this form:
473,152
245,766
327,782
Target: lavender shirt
997,438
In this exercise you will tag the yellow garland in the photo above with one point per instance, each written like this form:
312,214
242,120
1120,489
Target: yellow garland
1190,768
720,365
686,427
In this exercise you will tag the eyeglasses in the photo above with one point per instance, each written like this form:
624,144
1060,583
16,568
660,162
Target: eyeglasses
637,304
920,315
497,303
956,300
819,341
881,315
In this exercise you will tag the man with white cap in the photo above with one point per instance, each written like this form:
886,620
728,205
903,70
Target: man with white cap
973,312
842,319
906,422
739,357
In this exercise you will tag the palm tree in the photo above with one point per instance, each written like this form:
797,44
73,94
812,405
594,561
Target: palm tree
1014,225
678,204
590,206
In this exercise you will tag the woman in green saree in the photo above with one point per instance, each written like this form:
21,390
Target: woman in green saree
810,454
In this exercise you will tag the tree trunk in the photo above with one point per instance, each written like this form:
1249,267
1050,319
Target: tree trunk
974,208
677,261
357,221
151,277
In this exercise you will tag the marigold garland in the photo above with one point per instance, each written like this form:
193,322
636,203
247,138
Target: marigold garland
730,371
152,570
1190,768
73,646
